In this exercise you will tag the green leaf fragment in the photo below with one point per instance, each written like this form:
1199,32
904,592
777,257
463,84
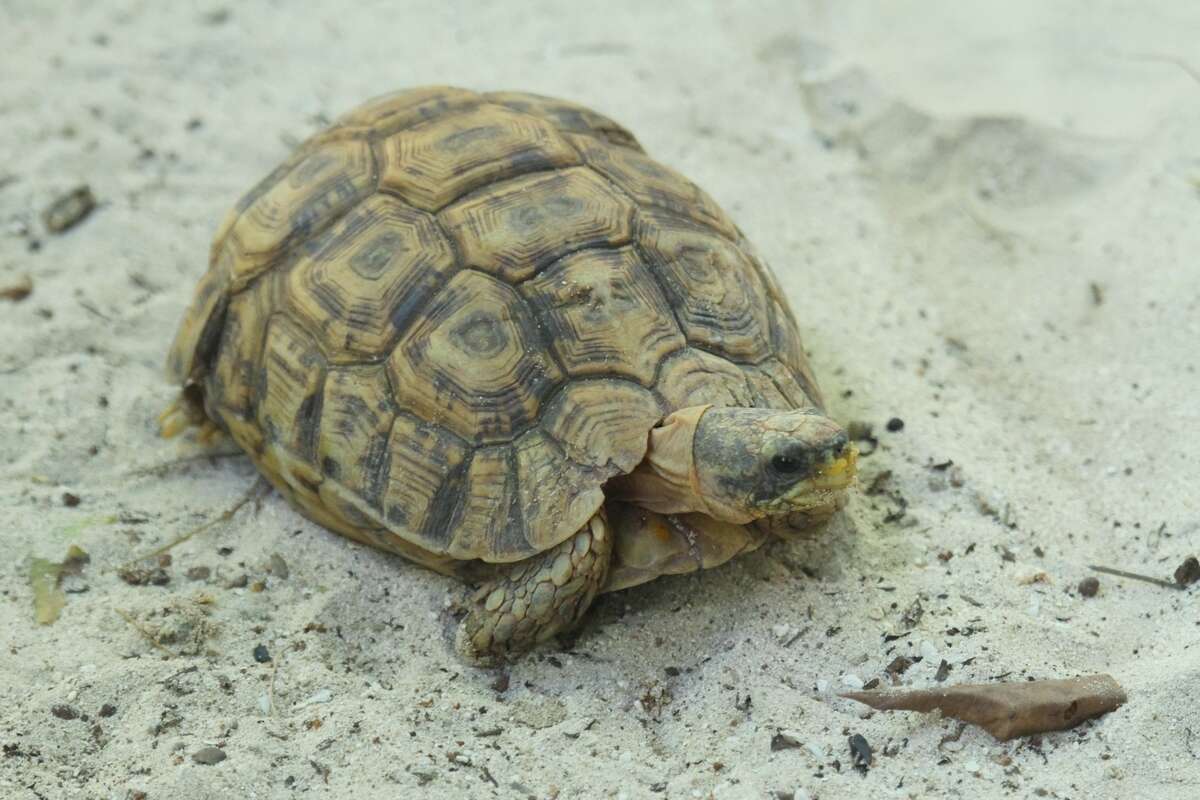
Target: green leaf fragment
45,579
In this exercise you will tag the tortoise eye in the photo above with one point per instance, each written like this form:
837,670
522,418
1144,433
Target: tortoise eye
786,464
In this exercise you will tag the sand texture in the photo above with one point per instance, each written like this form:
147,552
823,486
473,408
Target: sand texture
987,216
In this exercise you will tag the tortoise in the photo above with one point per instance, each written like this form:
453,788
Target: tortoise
487,332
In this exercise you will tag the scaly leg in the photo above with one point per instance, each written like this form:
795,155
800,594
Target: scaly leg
530,601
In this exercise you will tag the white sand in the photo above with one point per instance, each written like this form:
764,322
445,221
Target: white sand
937,191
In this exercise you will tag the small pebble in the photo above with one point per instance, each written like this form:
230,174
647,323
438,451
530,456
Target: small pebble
64,712
785,740
107,710
144,576
1188,572
261,654
18,291
895,424
209,755
198,573
70,500
69,210
1089,586
861,755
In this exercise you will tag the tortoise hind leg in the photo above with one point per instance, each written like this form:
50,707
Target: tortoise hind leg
530,601
186,410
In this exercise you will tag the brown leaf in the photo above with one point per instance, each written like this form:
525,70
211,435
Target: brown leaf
1008,710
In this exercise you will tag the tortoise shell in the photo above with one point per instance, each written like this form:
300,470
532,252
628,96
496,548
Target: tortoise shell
443,323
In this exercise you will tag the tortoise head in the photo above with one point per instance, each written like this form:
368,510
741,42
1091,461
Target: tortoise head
752,463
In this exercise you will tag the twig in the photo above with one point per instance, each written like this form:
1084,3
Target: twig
271,686
259,488
91,309
147,635
159,469
1120,573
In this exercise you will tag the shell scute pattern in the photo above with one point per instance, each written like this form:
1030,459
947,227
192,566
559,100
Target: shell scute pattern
474,362
313,192
653,185
442,324
717,295
517,227
606,314
567,117
368,276
442,159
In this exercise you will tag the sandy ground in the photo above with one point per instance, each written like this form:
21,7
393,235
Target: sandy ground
988,218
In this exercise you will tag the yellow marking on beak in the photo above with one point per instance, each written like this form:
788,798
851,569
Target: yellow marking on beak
839,473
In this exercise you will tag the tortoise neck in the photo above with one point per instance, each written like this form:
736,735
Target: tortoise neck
666,480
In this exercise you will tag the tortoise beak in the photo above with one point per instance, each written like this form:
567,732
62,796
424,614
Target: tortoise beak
833,473
837,469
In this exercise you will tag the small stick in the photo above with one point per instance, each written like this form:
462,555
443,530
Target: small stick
160,469
260,488
1120,573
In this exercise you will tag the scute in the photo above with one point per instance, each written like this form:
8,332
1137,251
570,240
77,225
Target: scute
200,330
439,161
693,377
557,496
312,194
568,117
424,482
357,411
653,185
519,226
293,372
234,384
606,314
713,287
474,361
490,519
383,116
367,277
603,423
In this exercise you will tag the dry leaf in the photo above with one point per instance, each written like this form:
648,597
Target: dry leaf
1008,710
45,579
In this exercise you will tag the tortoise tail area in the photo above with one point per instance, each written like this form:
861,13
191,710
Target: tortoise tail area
191,354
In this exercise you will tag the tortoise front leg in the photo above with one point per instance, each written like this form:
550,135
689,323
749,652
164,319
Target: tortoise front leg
530,601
